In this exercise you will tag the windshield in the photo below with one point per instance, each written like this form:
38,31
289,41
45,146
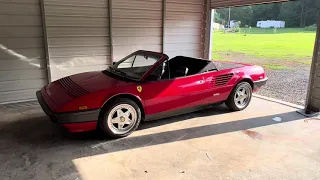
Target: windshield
135,65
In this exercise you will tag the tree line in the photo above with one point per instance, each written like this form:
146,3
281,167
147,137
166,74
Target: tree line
300,13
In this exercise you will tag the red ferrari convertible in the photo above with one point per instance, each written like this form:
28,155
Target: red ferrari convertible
146,86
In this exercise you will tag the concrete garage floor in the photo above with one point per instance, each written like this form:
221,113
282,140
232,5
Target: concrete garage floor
209,144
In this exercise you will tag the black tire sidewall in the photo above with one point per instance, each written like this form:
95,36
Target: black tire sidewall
104,118
230,101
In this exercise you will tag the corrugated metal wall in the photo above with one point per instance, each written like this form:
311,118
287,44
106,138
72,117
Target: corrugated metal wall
136,24
184,28
22,64
228,3
78,36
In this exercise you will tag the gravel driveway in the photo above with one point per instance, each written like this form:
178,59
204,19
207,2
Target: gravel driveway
289,85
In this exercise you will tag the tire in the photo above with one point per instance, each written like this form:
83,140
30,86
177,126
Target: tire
234,99
114,118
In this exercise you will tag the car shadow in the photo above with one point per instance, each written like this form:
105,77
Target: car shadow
49,145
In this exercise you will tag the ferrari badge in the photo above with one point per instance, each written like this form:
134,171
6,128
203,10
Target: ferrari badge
139,88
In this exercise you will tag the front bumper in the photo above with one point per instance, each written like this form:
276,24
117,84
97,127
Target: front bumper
73,121
258,84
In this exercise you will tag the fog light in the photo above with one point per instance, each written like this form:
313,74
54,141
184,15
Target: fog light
83,108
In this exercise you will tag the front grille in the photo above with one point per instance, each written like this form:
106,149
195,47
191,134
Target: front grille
72,88
223,79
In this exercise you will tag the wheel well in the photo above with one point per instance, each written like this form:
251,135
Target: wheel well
133,98
248,81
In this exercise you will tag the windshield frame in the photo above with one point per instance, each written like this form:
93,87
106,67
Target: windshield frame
159,56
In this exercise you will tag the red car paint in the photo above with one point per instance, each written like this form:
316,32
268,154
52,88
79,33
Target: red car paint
155,97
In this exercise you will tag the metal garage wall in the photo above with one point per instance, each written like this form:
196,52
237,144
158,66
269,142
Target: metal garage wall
22,64
228,3
136,24
78,36
185,28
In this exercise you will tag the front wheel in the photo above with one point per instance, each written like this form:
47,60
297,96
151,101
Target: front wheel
120,118
240,97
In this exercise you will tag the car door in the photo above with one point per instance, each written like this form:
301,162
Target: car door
219,85
173,94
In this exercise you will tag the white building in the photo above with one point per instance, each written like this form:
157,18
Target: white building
271,24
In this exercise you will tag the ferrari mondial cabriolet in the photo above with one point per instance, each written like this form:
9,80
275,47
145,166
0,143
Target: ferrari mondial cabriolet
146,86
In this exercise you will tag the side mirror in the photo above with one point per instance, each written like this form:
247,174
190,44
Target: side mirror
113,63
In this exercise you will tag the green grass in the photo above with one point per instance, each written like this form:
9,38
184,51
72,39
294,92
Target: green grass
286,43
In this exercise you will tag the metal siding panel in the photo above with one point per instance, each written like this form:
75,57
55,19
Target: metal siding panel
184,31
22,42
20,32
183,46
78,41
133,32
136,25
24,95
79,61
74,3
137,4
135,13
183,39
21,21
183,7
78,36
7,86
186,15
184,27
184,23
76,11
139,23
21,54
22,64
124,50
54,21
19,9
77,32
12,75
137,40
78,51
21,50
59,72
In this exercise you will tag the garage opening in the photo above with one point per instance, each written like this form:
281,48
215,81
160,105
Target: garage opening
279,36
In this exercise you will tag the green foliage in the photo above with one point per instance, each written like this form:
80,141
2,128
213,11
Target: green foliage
311,28
295,13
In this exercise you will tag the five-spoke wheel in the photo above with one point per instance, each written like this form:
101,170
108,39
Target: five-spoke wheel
240,97
121,118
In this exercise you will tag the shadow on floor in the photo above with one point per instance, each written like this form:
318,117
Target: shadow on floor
38,137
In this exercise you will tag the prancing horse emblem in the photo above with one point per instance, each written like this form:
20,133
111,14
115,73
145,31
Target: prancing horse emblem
139,88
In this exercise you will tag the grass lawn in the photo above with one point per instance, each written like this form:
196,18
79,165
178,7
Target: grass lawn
288,44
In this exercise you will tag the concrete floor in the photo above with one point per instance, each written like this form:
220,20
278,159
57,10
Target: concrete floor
209,144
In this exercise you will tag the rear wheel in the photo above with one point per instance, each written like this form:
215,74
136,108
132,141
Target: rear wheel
240,97
120,118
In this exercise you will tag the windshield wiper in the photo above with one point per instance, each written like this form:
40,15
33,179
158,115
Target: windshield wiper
116,70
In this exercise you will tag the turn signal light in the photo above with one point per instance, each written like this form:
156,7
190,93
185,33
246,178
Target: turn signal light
83,108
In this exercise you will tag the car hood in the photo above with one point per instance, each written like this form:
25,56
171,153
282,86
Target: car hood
95,81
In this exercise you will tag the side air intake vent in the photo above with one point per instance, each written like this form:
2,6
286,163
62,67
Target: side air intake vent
72,88
223,79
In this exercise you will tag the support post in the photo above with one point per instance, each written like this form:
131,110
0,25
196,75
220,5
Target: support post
45,40
110,31
207,29
313,95
164,12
